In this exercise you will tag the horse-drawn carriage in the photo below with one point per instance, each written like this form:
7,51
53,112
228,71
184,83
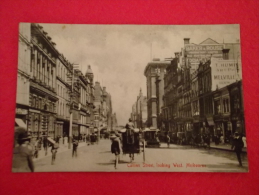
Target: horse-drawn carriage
131,142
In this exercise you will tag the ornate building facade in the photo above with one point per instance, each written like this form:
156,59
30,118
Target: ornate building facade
155,90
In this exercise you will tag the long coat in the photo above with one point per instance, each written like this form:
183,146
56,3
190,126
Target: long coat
22,159
115,147
238,144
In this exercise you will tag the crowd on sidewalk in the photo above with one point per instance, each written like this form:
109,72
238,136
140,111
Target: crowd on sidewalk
27,150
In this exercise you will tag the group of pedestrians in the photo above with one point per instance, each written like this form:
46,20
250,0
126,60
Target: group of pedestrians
24,150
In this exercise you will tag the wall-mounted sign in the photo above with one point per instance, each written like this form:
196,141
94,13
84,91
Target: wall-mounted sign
197,53
224,72
203,47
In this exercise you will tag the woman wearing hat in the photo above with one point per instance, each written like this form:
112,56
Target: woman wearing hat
22,154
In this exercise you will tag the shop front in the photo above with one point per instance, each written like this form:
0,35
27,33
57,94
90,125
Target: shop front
223,128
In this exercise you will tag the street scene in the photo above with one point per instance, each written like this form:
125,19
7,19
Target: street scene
98,158
129,98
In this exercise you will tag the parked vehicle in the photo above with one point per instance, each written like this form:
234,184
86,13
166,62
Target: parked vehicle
151,137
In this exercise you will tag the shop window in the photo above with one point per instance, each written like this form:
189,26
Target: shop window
217,106
226,105
236,103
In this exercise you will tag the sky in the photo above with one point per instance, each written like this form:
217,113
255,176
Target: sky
118,54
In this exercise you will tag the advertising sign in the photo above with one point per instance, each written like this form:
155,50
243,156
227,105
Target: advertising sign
224,72
196,53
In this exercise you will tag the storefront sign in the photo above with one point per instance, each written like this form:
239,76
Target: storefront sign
223,73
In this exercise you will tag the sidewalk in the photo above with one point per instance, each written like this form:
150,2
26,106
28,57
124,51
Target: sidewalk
62,148
226,147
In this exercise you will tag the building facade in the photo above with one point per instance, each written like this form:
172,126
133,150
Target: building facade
154,73
23,75
203,90
139,111
103,109
43,94
52,94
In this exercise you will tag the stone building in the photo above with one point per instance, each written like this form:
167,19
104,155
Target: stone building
103,109
52,95
43,93
23,75
154,73
139,111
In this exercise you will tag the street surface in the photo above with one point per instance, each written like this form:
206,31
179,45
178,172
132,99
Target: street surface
98,158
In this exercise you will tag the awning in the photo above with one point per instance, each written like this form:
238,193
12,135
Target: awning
19,122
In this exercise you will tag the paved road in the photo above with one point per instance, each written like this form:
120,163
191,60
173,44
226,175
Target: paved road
174,159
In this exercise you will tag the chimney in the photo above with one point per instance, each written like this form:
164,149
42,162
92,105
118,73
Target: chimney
186,41
225,53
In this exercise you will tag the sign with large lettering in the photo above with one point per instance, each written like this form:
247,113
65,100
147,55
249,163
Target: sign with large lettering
224,72
197,53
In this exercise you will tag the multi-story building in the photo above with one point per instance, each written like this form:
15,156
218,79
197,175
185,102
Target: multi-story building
114,122
170,95
139,111
103,109
23,77
134,114
52,95
199,95
154,73
43,96
64,68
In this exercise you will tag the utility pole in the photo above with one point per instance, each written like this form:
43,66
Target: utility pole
74,66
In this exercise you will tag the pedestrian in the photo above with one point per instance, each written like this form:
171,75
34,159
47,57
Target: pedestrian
75,145
45,145
54,150
130,132
168,140
22,154
36,148
116,148
237,146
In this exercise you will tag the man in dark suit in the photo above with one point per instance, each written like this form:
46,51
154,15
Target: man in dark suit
237,146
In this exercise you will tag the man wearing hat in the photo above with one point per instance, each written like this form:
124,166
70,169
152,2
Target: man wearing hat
22,154
116,147
237,146
130,132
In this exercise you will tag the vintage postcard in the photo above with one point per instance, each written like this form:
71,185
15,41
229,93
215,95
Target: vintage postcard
129,98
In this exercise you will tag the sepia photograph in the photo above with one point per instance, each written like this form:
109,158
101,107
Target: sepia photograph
129,98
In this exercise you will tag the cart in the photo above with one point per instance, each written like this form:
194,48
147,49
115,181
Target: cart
151,137
131,143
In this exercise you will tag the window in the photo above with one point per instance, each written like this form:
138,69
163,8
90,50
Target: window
226,105
217,106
